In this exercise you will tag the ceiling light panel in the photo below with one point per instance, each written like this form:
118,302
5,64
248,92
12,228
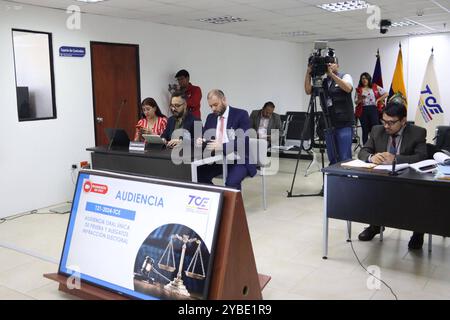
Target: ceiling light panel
344,6
222,20
402,24
296,33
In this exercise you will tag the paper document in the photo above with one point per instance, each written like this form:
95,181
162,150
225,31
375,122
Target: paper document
424,166
283,148
388,167
442,158
445,170
443,173
358,164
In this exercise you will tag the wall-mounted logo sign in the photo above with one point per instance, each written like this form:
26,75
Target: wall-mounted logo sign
72,52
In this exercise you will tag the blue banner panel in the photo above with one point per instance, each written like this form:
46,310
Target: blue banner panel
111,211
78,52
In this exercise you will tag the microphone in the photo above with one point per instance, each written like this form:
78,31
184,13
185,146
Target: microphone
122,103
393,151
394,163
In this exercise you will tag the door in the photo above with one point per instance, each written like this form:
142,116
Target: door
116,88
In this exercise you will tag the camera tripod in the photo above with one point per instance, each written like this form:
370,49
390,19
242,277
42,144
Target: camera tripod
311,123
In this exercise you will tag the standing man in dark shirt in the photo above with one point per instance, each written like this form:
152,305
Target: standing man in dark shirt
338,88
193,93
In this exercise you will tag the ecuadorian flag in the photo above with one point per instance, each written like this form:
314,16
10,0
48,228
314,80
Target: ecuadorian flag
398,82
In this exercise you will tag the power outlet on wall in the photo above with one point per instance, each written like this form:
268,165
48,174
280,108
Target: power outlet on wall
85,165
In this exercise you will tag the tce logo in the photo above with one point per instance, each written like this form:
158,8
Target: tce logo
199,202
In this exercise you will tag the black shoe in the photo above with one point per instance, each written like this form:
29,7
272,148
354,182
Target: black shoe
369,233
416,241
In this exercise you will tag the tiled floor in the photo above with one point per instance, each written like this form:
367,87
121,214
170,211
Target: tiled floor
287,242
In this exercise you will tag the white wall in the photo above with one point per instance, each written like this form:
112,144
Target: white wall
358,56
36,156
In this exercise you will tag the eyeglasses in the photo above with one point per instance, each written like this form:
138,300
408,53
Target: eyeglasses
389,123
176,106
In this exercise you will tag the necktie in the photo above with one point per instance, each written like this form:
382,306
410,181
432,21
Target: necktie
221,124
394,144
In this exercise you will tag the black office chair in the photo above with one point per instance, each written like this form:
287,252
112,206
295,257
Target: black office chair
356,139
283,131
296,115
431,150
313,137
294,127
442,138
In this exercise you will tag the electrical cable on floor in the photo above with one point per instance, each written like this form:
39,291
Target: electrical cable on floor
17,216
362,266
25,214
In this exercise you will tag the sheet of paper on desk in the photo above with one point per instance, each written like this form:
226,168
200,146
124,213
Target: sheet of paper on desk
358,164
388,167
443,173
282,148
441,157
444,170
424,166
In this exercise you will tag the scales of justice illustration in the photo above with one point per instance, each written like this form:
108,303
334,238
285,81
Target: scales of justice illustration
167,263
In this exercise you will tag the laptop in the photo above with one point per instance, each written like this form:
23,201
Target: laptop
153,139
119,137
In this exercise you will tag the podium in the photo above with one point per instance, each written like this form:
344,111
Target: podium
234,271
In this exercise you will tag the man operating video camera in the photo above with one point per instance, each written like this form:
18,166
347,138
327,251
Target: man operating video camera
338,102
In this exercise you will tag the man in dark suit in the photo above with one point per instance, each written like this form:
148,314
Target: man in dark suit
181,119
228,127
395,139
264,120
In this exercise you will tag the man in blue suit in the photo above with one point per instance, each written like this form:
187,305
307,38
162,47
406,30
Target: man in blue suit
228,128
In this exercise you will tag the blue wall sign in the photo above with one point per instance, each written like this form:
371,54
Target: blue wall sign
72,52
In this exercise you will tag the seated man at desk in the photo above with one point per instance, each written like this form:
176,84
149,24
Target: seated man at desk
224,121
264,120
395,139
181,119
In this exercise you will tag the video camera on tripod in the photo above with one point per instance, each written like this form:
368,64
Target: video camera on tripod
318,122
319,60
